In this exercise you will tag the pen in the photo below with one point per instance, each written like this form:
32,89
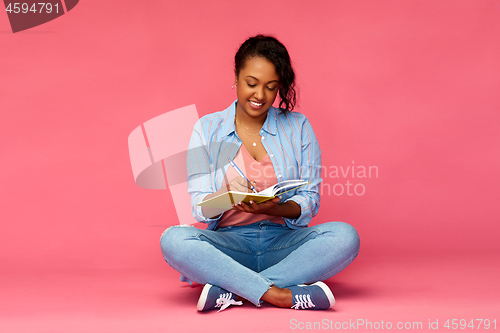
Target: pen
242,175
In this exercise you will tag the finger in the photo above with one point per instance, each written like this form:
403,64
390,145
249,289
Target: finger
240,187
244,188
239,209
254,205
239,182
244,207
249,186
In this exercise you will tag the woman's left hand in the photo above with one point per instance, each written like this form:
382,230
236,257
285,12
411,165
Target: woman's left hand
254,208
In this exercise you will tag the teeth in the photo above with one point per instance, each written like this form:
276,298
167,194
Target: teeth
256,104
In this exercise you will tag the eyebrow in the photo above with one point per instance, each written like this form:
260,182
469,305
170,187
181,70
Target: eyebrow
253,77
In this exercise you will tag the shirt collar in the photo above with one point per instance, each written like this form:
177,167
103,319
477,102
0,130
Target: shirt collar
270,125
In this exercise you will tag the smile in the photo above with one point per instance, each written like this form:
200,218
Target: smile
256,104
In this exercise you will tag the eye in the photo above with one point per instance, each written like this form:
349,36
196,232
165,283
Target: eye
271,88
251,85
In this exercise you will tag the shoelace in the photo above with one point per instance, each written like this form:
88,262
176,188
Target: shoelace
226,300
303,301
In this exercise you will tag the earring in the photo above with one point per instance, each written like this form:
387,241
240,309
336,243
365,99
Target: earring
234,86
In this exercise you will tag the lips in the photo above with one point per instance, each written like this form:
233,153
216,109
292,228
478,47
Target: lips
255,104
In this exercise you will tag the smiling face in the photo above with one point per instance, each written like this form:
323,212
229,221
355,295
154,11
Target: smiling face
257,87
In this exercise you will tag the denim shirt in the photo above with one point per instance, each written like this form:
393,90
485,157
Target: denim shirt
288,139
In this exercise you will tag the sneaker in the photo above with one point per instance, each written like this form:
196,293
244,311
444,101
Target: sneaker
316,296
213,297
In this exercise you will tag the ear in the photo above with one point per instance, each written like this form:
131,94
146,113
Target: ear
235,78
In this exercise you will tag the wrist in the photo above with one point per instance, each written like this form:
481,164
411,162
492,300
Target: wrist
289,210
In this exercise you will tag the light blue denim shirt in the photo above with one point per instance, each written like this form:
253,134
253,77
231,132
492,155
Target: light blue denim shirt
288,139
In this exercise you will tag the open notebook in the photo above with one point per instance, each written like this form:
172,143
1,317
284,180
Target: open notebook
225,200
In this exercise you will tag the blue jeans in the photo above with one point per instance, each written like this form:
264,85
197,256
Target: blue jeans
247,260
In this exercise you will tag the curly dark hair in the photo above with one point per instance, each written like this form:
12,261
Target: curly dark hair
271,49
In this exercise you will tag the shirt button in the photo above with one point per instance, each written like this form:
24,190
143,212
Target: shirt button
271,155
262,138
279,176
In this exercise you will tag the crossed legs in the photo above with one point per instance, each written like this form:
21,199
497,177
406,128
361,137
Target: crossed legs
258,261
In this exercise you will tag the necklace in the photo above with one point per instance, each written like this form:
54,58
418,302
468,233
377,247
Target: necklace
245,132
258,134
253,143
237,122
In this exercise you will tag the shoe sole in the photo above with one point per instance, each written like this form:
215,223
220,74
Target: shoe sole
203,297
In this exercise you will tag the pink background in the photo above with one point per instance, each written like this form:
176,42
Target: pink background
411,87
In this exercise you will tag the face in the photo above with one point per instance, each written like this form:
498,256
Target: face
257,87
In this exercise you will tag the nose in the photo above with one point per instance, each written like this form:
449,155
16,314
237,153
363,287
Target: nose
259,94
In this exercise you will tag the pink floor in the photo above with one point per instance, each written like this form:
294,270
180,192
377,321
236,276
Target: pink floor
399,289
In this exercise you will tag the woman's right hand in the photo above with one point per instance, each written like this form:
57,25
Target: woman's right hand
240,184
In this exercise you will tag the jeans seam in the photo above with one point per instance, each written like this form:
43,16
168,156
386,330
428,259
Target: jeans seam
198,236
259,250
295,243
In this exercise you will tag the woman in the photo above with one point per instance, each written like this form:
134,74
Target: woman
266,251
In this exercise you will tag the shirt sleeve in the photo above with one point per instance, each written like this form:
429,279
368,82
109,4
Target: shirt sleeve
308,196
200,171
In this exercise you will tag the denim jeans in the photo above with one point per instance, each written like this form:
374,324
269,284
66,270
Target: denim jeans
247,260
